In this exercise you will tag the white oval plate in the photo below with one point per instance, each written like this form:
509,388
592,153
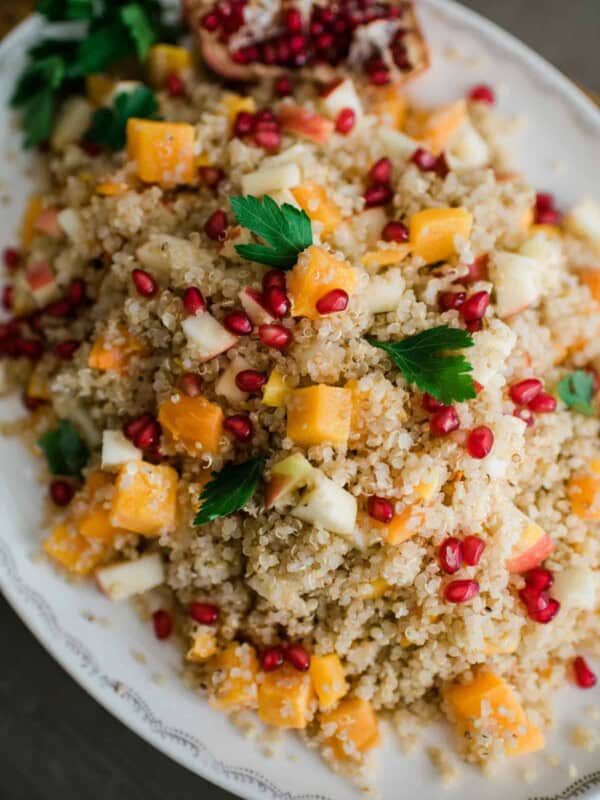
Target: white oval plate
559,152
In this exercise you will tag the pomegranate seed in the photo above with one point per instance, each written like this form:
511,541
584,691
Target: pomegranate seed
379,77
475,306
345,121
265,115
76,293
28,348
482,93
474,325
276,301
461,591
442,167
274,277
544,201
444,421
163,624
204,613
424,160
244,124
547,614
276,336
333,302
473,547
381,171
534,599
429,403
451,300
293,20
542,404
31,403
61,492
66,349
525,415
215,226
211,176
272,659
539,578
174,85
60,308
250,380
267,139
210,22
584,676
154,455
147,437
380,509
283,87
144,283
193,301
378,195
238,322
298,657
477,271
11,257
523,392
190,384
134,426
240,426
480,441
451,555
551,217
395,231
7,297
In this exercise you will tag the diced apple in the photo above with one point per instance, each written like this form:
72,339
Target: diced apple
328,505
40,280
165,253
48,223
584,220
287,476
517,280
493,346
341,95
129,578
251,300
467,149
576,587
397,144
207,337
384,292
70,222
305,123
117,450
226,386
365,228
532,547
73,121
271,179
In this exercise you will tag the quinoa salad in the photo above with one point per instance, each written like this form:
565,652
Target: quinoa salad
311,370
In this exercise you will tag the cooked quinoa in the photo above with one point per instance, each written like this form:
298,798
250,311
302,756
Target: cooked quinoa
402,594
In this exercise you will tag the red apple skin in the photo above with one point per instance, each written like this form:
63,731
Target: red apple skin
532,557
39,275
48,223
306,123
275,488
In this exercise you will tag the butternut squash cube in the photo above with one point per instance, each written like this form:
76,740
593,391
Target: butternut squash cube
317,273
584,494
163,152
433,232
319,414
145,499
351,729
329,679
312,198
590,277
391,105
284,698
386,257
490,702
276,390
440,125
165,60
28,229
111,188
204,646
233,678
194,421
107,356
72,551
403,525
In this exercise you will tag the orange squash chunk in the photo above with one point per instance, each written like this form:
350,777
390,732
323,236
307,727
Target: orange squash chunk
590,277
145,499
390,104
204,646
441,124
74,552
114,357
329,679
233,680
284,698
28,230
351,729
402,526
194,421
165,60
163,152
319,414
584,494
386,257
317,273
432,232
312,198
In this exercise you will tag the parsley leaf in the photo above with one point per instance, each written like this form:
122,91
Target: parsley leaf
421,359
62,10
35,93
286,229
65,450
576,391
229,490
103,46
109,125
140,28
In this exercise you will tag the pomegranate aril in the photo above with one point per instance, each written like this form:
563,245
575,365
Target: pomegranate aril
345,121
293,20
277,301
539,579
378,195
274,277
238,322
7,297
244,124
430,404
525,391
474,325
250,380
475,306
265,115
61,492
28,348
211,176
333,302
66,349
534,599
11,258
451,300
473,547
477,271
144,283
276,336
163,624
283,87
272,659
480,442
394,231
31,403
240,426
551,217
174,85
460,591
193,301
544,201
204,613
298,657
482,93
76,293
216,225
442,168
380,509
210,22
381,171
584,676
451,555
543,403
191,384
148,436
546,614
267,139
134,426
60,308
444,421
424,160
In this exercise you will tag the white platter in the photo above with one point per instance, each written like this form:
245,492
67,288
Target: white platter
559,152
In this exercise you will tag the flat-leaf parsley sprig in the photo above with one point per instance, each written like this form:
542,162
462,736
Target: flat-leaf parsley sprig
229,490
576,391
286,230
109,125
428,359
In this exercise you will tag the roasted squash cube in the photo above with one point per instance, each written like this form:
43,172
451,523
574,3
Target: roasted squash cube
72,551
312,198
194,421
433,232
390,105
319,414
329,680
204,645
233,677
28,229
317,273
276,390
351,729
441,124
108,356
145,499
374,259
284,698
590,277
403,525
584,494
163,152
165,60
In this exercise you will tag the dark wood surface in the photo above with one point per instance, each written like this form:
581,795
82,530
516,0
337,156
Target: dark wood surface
56,743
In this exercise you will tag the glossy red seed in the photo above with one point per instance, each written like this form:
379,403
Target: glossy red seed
277,301
31,403
250,380
460,591
534,599
193,301
66,349
474,325
550,217
174,85
482,93
7,297
191,384
584,677
204,613
276,336
163,624
210,21
380,509
283,87
333,302
451,300
292,20
477,271
144,283
76,293
539,578
546,614
272,659
543,403
525,391
274,277
244,124
148,436
345,121
379,77
239,426
132,428
298,657
61,492
381,171
28,348
11,258
442,168
475,306
378,196
430,404
216,225
480,442
267,139
394,231
544,201
265,115
424,160
444,421
525,415
473,547
451,555
238,322
60,308
211,176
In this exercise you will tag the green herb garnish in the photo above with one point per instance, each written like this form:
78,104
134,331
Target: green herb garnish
423,359
229,490
576,392
65,450
61,10
109,125
285,228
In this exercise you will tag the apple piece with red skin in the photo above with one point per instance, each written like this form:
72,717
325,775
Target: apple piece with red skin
207,336
41,281
287,476
340,95
127,578
251,300
48,223
533,547
518,282
307,124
